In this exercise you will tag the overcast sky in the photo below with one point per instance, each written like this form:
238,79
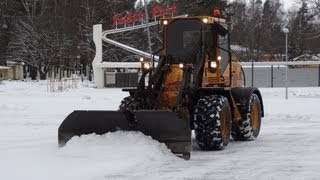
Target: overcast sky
287,3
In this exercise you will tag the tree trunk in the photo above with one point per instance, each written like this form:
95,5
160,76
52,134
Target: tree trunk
25,72
43,76
42,72
33,73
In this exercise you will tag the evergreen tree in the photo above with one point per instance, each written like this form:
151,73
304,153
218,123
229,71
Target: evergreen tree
300,28
271,25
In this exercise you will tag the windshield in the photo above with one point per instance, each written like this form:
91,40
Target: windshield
184,38
224,53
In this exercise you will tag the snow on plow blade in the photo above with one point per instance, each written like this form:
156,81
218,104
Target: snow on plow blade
162,126
168,128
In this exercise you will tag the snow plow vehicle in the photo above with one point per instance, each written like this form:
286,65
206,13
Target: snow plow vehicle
193,85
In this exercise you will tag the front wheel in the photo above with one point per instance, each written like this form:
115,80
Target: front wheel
130,103
212,121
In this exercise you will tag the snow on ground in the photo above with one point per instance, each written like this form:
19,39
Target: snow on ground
288,146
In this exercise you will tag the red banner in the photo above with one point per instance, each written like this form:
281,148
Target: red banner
129,17
159,11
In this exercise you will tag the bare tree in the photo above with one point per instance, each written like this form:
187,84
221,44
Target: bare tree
3,30
315,5
40,39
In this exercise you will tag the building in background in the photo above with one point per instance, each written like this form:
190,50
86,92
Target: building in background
14,71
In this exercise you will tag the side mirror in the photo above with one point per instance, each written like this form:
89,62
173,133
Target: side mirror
220,30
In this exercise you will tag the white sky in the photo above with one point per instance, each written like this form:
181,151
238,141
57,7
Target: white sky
288,4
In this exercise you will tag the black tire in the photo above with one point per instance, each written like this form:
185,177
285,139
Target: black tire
130,103
186,156
212,121
249,129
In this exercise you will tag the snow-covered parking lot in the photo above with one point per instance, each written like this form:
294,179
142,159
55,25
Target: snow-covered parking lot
287,148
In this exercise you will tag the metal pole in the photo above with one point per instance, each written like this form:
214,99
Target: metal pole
252,45
286,65
319,75
148,28
252,73
272,76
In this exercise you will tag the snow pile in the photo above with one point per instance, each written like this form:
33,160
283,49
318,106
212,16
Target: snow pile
306,92
310,92
307,57
133,146
118,155
237,48
315,58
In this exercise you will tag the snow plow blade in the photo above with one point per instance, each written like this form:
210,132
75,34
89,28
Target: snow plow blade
168,128
162,126
87,122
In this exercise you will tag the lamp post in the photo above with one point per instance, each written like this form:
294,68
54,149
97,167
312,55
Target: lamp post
286,31
252,45
148,28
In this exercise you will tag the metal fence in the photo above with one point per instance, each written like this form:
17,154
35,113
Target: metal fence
265,74
113,79
272,74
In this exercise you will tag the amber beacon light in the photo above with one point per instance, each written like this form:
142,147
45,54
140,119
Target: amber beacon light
216,13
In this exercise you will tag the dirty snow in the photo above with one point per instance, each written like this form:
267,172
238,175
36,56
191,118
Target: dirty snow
288,146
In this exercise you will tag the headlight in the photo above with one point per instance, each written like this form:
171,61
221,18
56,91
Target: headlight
141,59
181,65
205,20
146,65
165,22
213,64
219,58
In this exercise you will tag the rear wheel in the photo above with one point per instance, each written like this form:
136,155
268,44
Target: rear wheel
186,156
249,129
212,121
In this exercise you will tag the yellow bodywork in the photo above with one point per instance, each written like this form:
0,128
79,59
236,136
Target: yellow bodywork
171,87
216,79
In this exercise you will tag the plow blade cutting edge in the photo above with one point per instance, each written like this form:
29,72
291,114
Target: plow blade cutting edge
163,126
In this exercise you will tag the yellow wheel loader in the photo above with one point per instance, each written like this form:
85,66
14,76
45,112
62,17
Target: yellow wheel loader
194,85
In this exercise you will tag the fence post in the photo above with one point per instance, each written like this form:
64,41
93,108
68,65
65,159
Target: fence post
272,76
319,75
252,73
